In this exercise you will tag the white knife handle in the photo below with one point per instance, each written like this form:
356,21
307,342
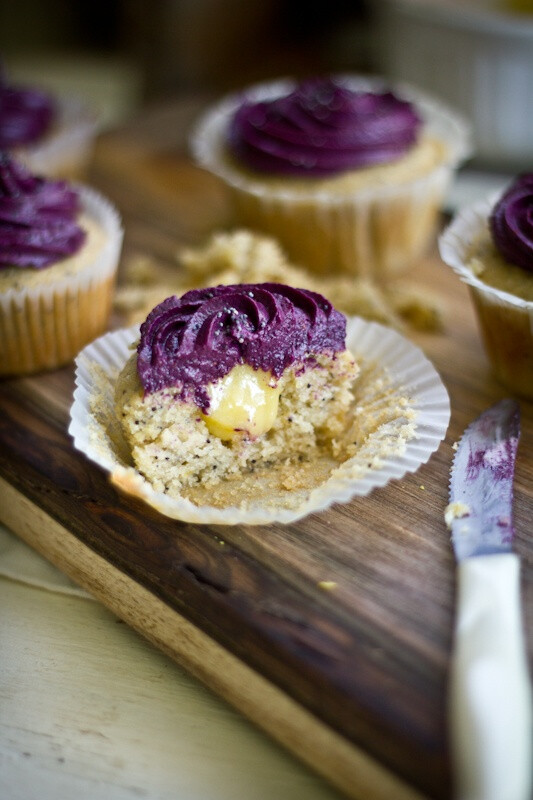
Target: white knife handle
490,700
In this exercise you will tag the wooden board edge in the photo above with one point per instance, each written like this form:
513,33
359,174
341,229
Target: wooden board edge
343,764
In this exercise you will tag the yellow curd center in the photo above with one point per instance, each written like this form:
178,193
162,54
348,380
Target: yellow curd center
243,400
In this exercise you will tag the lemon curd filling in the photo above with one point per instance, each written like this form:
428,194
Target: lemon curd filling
244,400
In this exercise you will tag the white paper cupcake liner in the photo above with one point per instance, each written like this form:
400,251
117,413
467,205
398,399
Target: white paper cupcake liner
409,372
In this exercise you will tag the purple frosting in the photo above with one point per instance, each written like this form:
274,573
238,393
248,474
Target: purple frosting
37,218
25,115
196,339
322,127
511,223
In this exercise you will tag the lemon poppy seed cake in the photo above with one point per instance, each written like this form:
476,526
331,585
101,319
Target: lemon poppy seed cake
233,381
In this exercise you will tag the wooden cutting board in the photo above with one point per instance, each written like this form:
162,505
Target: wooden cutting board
352,679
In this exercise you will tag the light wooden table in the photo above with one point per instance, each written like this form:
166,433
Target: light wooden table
89,709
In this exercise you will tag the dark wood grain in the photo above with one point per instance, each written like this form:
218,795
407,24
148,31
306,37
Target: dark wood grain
369,658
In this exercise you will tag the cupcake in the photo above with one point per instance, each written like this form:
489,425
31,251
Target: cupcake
51,136
348,175
59,251
235,382
211,416
490,247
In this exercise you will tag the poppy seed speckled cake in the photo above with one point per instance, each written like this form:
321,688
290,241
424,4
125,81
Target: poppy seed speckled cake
234,380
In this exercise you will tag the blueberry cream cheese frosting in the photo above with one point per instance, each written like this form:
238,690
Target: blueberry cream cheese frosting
38,218
511,223
234,380
323,127
45,231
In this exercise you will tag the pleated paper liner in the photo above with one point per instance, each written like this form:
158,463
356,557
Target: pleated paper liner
402,409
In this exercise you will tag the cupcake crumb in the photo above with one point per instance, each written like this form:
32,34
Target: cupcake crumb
456,510
242,256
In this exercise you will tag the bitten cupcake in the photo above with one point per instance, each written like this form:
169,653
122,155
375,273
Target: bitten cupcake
490,247
253,404
348,175
235,382
59,251
52,136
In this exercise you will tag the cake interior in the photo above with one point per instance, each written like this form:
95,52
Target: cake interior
172,447
377,422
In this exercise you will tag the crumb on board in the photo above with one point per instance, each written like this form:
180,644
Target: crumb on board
327,586
242,256
456,510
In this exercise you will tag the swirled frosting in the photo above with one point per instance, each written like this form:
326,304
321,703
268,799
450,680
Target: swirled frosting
194,340
37,218
322,127
25,115
511,223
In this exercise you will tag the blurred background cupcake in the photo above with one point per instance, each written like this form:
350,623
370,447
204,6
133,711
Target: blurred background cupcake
59,252
53,135
347,172
490,247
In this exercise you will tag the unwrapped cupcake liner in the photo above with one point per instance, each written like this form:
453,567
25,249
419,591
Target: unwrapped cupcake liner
409,374
45,326
66,151
377,231
505,320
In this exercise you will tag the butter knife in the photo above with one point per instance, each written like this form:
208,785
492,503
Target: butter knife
490,695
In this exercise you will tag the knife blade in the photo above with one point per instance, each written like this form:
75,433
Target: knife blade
490,695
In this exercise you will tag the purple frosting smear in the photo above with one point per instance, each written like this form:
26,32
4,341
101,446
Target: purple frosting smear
323,127
25,115
511,223
37,218
194,340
